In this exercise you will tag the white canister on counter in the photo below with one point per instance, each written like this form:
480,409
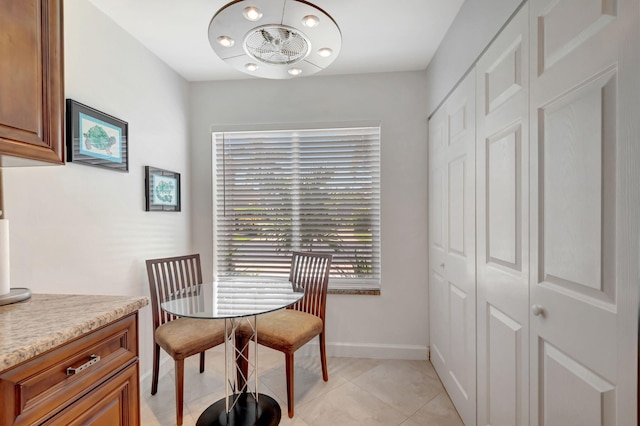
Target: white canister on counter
5,285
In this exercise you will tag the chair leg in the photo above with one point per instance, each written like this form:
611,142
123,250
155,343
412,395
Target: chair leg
242,361
179,365
156,369
323,358
202,362
290,390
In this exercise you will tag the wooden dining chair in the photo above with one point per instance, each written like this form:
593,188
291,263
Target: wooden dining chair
179,337
289,329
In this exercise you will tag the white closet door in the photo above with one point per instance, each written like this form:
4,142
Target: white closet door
452,294
584,211
502,223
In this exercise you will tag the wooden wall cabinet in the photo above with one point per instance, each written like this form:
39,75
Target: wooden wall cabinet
105,392
31,83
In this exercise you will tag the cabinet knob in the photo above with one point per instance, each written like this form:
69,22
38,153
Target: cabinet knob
442,265
537,310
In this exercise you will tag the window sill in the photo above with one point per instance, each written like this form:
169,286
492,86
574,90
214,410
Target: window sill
367,292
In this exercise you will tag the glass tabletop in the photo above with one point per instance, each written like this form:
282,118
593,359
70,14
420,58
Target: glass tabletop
232,299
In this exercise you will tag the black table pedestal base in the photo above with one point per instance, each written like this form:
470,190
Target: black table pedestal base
246,412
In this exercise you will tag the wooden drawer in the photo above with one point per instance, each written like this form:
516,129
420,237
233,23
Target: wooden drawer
33,391
113,403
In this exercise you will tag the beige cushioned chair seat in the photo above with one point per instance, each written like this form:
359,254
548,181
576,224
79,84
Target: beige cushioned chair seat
184,337
287,329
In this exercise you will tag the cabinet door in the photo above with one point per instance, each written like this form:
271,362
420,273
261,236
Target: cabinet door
31,82
34,390
502,223
585,159
452,294
114,403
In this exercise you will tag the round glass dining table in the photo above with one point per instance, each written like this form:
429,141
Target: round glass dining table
236,302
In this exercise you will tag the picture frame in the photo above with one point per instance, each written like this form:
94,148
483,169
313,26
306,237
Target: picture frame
95,138
162,190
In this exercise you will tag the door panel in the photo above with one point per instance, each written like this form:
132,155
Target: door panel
584,236
502,223
439,309
452,246
458,123
456,189
503,198
503,78
436,230
505,374
564,25
578,129
459,339
592,399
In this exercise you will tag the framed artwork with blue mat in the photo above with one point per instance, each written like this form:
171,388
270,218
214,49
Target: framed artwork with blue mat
95,138
162,189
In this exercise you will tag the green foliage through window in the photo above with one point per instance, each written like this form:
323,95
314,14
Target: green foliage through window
280,191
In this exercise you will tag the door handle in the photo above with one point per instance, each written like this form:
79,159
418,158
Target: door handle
537,311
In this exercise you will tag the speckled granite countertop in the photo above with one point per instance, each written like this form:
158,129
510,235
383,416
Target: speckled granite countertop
45,321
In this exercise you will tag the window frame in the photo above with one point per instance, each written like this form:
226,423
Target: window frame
337,284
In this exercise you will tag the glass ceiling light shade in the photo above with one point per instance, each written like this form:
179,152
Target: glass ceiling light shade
310,21
278,38
252,13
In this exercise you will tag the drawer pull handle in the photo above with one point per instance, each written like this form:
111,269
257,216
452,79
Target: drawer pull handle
75,370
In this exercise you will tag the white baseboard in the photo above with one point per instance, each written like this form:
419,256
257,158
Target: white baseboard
368,350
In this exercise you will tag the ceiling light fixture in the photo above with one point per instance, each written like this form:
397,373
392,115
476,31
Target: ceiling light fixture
252,13
278,47
310,21
325,52
225,41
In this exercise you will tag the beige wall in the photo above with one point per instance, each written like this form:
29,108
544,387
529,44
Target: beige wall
357,325
82,229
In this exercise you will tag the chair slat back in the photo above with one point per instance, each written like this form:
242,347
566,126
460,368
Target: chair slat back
169,277
311,272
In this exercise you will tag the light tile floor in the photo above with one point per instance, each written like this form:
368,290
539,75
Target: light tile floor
363,392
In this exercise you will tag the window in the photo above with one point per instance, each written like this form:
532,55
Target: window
280,191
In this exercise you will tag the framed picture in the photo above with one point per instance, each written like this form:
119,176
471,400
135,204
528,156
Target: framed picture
162,189
95,138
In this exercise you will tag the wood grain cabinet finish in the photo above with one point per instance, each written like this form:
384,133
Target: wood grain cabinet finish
103,390
31,82
113,403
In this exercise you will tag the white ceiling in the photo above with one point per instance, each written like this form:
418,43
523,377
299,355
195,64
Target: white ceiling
377,35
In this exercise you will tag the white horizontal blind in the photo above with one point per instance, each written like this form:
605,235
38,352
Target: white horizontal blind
308,190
